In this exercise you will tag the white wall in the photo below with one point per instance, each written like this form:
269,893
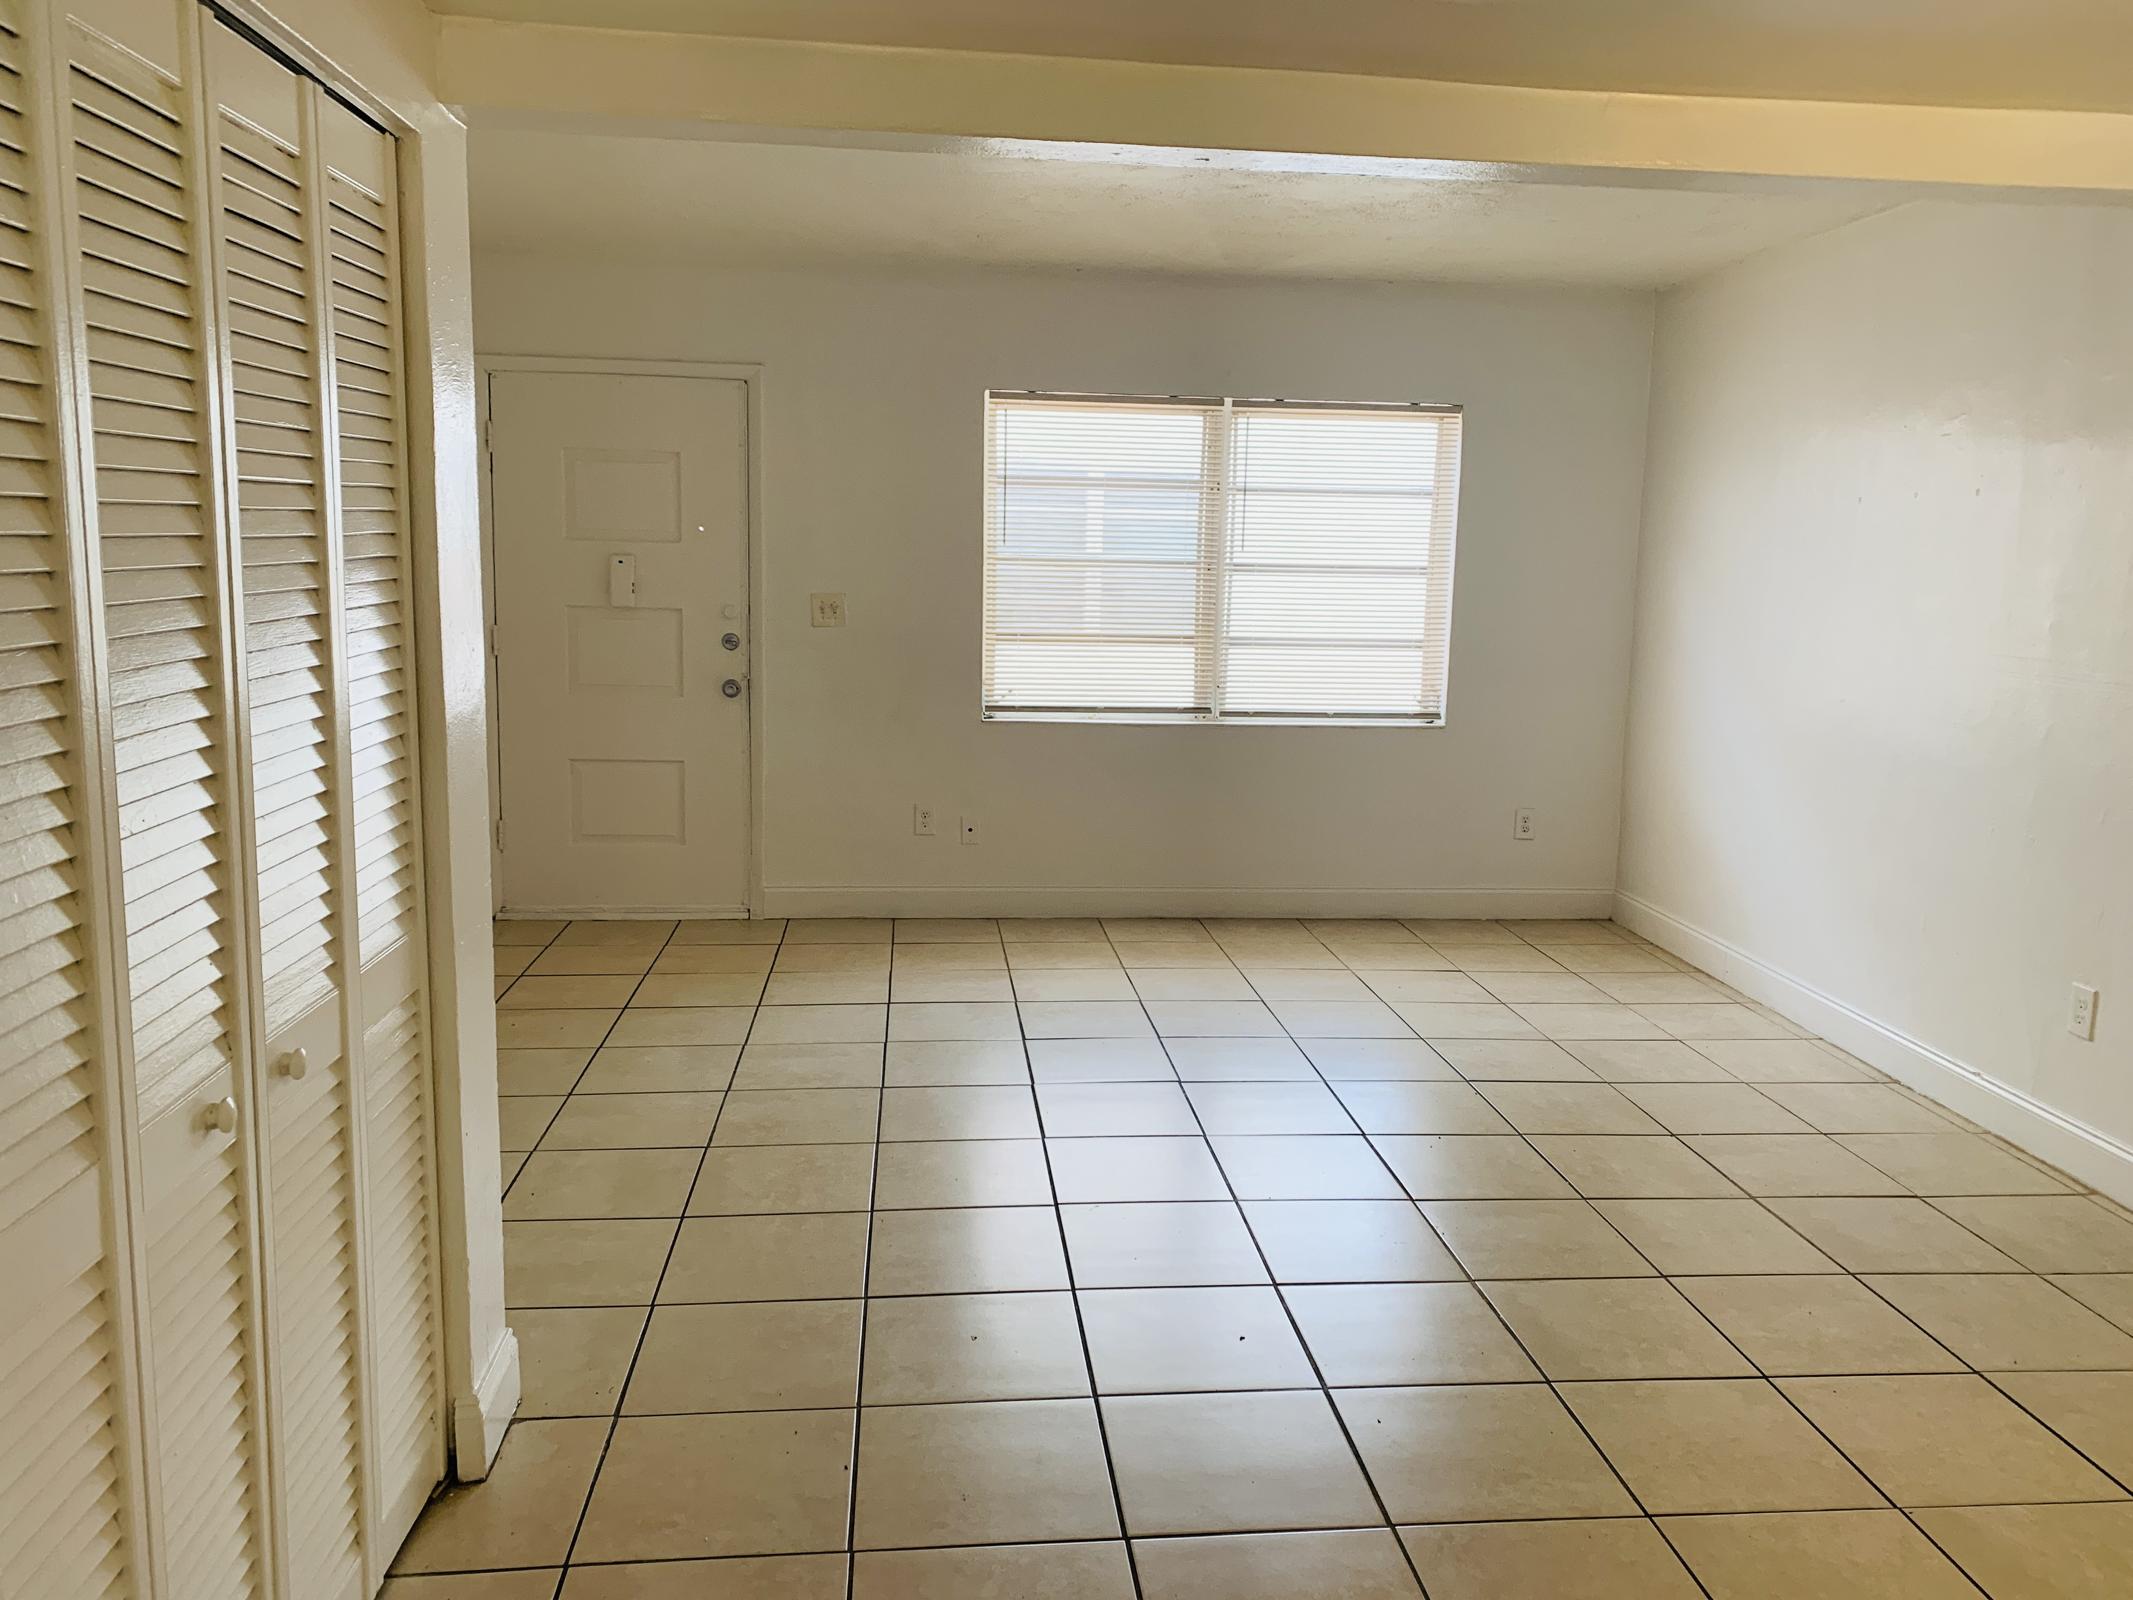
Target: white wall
1882,713
872,458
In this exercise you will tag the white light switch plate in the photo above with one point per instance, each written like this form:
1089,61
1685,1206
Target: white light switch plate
826,610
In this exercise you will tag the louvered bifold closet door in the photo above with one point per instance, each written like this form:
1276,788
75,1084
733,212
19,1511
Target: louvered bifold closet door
219,1342
68,1476
139,182
407,1455
269,225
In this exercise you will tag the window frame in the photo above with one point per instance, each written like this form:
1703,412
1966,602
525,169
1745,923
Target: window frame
1213,565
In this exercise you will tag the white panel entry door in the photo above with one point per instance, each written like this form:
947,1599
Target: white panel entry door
621,537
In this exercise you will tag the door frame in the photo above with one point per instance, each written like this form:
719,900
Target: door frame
749,374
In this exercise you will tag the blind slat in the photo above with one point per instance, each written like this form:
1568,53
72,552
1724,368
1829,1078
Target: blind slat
1218,559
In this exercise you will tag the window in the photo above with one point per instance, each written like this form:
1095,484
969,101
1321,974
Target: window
1217,560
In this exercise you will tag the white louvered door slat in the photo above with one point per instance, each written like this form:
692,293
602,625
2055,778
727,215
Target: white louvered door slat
66,1486
407,1455
365,285
269,232
168,613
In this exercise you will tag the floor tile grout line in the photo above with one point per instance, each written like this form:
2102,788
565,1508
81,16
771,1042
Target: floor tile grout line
1892,1503
1160,1538
866,1302
538,951
1324,1391
1933,1203
1605,1221
1585,1077
1496,1311
1370,1141
1759,1200
1924,1332
1302,1283
507,988
1081,1326
2118,1478
651,1309
1323,1199
556,1593
1839,1139
1874,1511
1539,1381
2016,1270
1968,1368
1759,1376
1555,1386
1762,1377
1971,1368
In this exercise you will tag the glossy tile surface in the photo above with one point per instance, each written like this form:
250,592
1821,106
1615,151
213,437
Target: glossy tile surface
1173,1258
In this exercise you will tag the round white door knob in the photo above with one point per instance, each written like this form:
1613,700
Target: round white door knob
220,1117
294,1063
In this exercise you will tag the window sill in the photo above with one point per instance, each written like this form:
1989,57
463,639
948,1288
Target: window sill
1144,719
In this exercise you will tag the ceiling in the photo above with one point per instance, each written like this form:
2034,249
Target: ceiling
2069,54
722,203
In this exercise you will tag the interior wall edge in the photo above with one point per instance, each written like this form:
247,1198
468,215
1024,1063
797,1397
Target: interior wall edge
479,1420
2083,1152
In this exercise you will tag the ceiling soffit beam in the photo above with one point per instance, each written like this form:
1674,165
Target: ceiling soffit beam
567,72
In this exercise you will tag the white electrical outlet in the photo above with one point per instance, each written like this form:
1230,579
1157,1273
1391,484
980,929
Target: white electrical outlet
970,830
922,821
2081,1012
1522,823
826,610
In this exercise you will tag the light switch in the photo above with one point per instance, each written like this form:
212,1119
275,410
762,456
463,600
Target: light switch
621,580
826,610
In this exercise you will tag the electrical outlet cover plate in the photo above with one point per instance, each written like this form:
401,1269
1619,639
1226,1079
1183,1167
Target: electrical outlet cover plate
922,821
2081,1012
1522,823
826,610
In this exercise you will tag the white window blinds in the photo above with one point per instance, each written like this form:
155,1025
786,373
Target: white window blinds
1217,560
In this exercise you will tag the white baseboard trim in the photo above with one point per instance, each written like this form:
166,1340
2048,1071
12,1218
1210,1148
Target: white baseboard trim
480,1419
1058,900
2086,1153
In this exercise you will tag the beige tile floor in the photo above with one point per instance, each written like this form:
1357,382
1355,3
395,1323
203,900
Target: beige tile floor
1263,1260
